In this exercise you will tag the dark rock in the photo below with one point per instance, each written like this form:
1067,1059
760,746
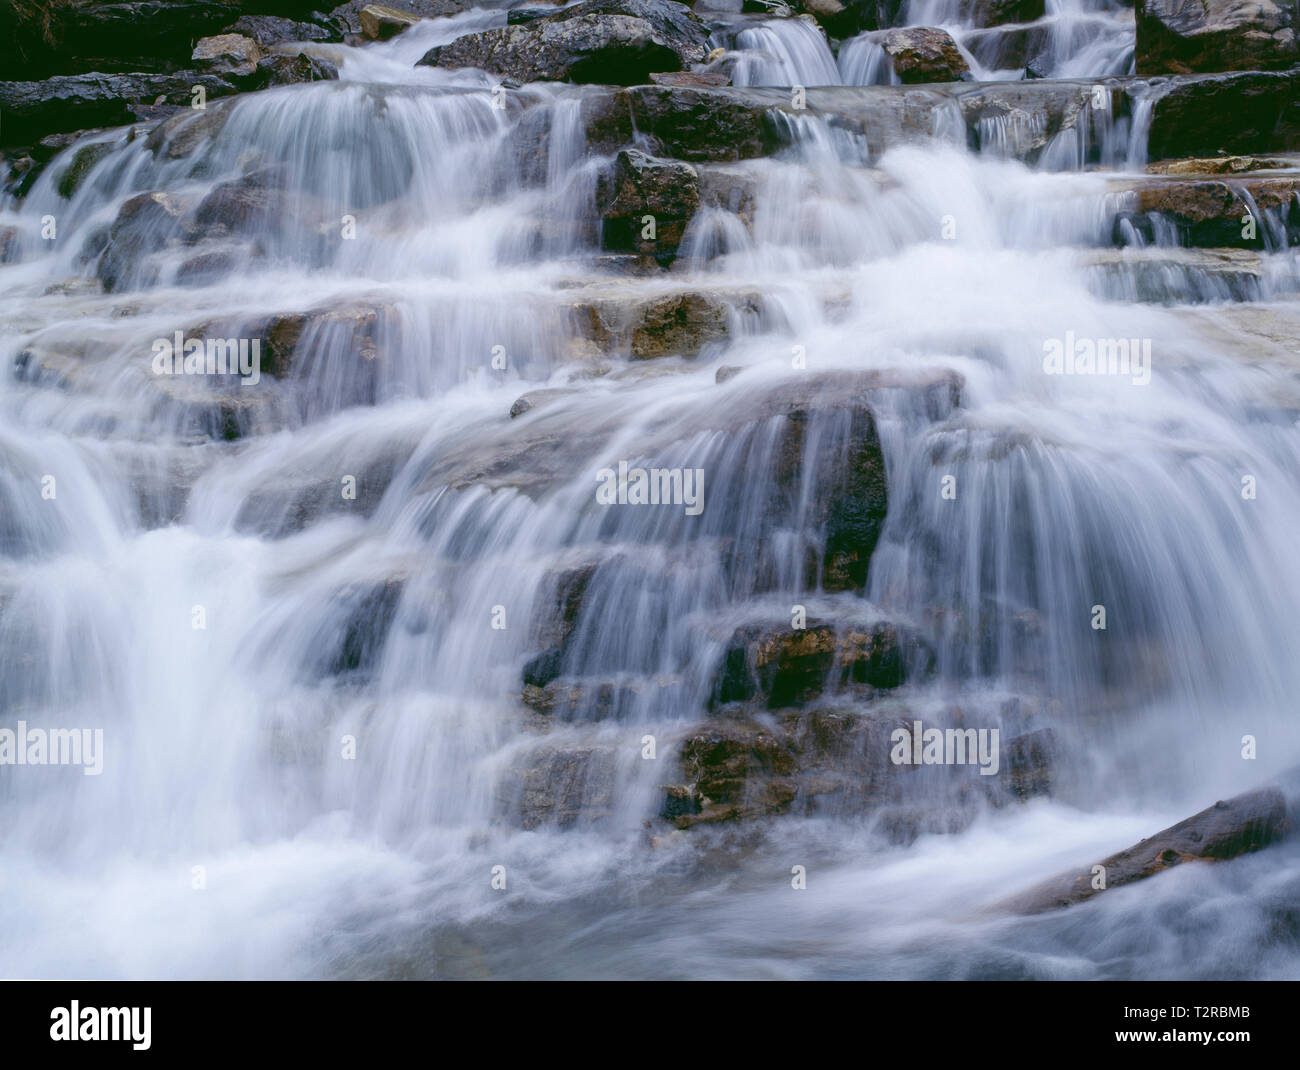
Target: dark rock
347,17
83,160
787,667
268,30
986,13
637,186
1209,115
64,38
294,70
612,42
77,102
1177,37
1228,829
1212,214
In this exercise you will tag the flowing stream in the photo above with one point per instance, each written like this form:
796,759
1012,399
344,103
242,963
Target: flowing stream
201,586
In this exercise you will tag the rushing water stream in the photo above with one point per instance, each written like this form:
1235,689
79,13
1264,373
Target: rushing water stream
200,587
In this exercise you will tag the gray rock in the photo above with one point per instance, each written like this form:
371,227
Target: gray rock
1182,37
611,42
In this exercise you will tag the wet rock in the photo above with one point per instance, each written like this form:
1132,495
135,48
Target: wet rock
1174,276
357,324
785,667
243,205
706,124
79,102
1012,47
1215,214
535,399
860,15
269,30
1175,37
741,767
610,42
1228,829
732,771
355,642
144,224
638,186
83,160
922,55
379,23
1220,165
181,134
294,70
229,54
556,784
676,324
1210,115
986,13
348,16
70,38
1028,764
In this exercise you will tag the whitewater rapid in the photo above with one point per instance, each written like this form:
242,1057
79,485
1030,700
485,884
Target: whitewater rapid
230,836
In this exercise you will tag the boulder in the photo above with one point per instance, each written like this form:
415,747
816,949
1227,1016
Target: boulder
612,42
230,54
922,55
379,23
1206,36
1228,829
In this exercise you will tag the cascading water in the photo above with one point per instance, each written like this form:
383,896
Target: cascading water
311,698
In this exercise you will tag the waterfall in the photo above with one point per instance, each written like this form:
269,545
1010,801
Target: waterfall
363,631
